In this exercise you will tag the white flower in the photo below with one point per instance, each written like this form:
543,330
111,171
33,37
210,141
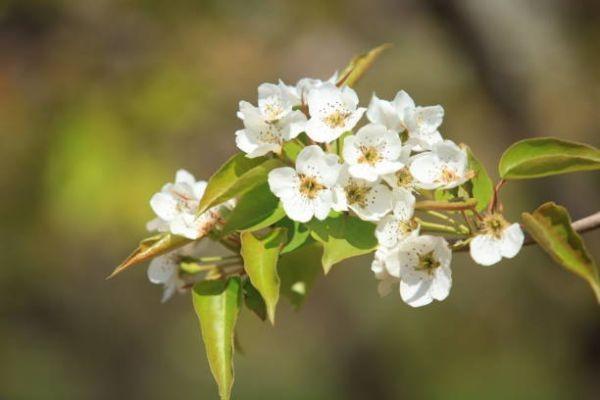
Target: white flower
333,111
498,239
307,191
401,114
373,152
305,85
176,205
164,270
379,268
445,166
424,271
402,179
261,134
369,200
398,226
275,101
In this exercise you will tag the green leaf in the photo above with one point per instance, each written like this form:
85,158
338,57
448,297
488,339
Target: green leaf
343,236
260,262
254,301
292,148
217,305
297,234
482,187
255,210
359,65
236,177
535,158
550,226
149,248
298,271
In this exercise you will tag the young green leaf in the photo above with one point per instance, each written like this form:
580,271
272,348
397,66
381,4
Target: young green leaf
236,177
550,226
260,262
359,65
482,187
539,157
149,248
297,234
257,209
298,271
217,305
342,237
254,301
292,148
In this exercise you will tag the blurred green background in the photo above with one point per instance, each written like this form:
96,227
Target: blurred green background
102,100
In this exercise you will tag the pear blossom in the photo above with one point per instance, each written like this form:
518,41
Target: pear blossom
305,85
399,225
333,111
401,114
266,130
369,200
424,269
497,239
176,204
379,268
402,179
373,152
307,190
445,166
275,101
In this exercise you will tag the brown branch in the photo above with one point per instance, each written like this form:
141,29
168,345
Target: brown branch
583,225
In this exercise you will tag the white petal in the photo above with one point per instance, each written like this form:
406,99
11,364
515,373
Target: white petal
512,241
387,231
378,203
485,250
415,290
363,171
297,208
403,101
161,269
282,179
442,282
403,204
183,176
157,224
384,113
164,205
426,168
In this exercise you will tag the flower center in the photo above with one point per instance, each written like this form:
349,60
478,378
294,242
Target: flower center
357,194
270,135
406,227
370,155
272,109
494,224
336,119
448,175
428,263
309,186
404,178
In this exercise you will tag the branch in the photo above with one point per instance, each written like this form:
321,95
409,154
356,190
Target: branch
586,224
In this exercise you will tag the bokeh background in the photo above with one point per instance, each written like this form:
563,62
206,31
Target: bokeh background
102,100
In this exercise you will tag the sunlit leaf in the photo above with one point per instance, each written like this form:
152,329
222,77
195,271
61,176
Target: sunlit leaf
535,158
298,271
149,248
297,233
255,210
359,65
236,177
217,305
292,148
342,237
260,262
481,186
254,301
550,226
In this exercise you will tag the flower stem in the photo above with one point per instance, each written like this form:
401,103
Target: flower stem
429,205
433,227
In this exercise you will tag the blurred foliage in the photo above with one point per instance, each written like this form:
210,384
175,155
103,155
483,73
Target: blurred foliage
102,100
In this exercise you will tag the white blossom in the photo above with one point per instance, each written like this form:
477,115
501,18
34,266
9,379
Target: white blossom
424,269
373,152
402,113
305,85
176,205
497,239
266,130
307,190
379,268
399,225
445,166
369,200
333,111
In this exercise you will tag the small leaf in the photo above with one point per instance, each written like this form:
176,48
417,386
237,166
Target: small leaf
292,148
359,65
297,234
550,226
482,187
255,210
535,158
260,262
149,248
298,271
236,177
217,305
343,236
254,301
